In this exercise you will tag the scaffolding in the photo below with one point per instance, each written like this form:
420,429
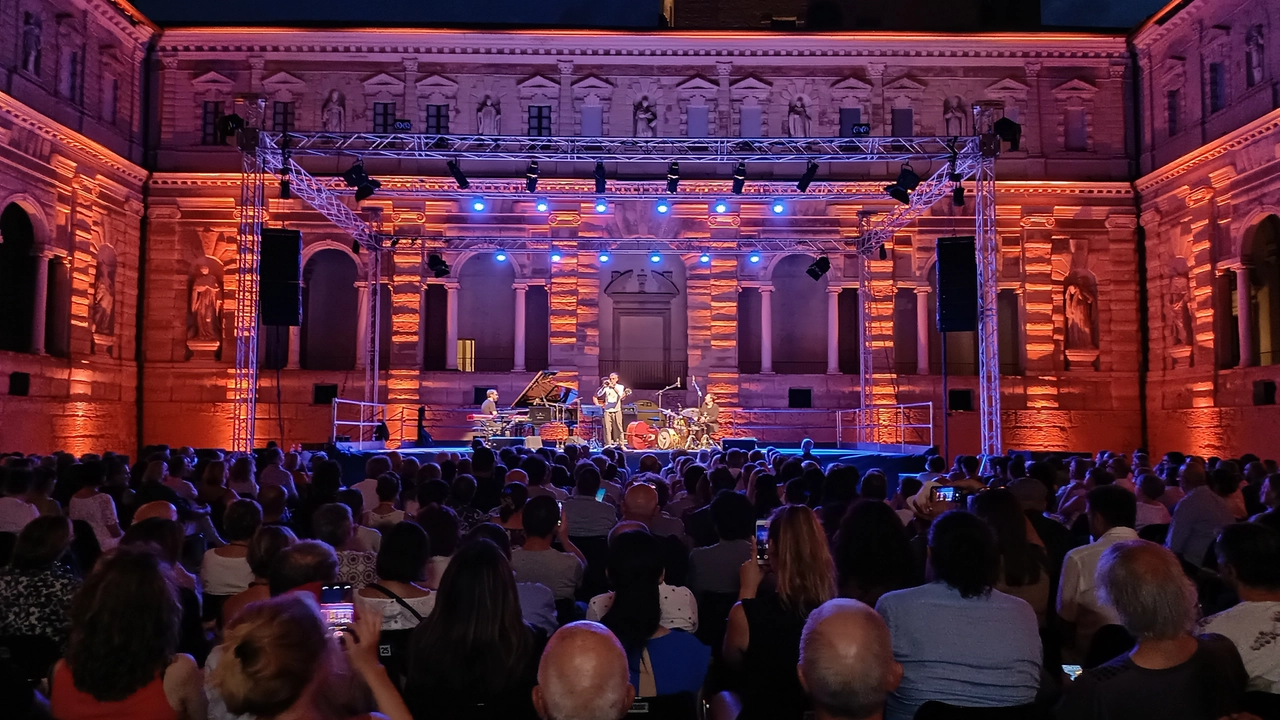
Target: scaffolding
958,160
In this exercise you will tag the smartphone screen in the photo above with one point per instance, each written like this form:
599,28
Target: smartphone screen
762,541
945,494
1072,671
600,495
337,606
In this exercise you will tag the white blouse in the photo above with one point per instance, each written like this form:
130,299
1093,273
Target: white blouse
679,609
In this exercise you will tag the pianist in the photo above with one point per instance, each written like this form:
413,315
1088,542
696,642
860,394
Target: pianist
490,404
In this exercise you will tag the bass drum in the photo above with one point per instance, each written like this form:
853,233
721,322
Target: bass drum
668,438
639,435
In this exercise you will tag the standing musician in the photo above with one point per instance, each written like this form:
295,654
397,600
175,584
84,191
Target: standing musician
610,397
709,415
490,404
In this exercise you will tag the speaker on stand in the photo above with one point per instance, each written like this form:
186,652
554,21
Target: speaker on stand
957,271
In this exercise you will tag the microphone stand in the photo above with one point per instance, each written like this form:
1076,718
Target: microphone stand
672,386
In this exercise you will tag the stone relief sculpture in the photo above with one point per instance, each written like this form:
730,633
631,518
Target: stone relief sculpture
1254,47
206,304
31,32
646,120
104,300
1178,304
1080,300
333,115
489,116
799,122
953,110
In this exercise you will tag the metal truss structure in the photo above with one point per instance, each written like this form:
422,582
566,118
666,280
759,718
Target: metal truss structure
957,159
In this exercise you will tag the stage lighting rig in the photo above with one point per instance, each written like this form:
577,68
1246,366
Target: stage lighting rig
907,181
810,172
356,177
458,176
531,177
819,268
600,178
739,177
437,265
1009,131
673,177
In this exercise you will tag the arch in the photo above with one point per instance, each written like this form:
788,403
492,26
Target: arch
310,249
799,314
460,259
486,310
331,311
44,238
644,320
18,261
1243,232
771,262
1262,262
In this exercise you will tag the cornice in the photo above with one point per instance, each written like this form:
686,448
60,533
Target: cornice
1207,153
1153,31
555,45
51,129
123,17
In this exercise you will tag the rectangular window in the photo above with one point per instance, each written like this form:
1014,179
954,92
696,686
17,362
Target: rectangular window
76,80
540,120
1217,86
902,123
209,117
384,117
698,121
110,96
282,116
437,120
750,121
848,118
466,355
592,121
1075,130
1009,331
1174,103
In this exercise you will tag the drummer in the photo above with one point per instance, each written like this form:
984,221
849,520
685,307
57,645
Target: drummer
709,415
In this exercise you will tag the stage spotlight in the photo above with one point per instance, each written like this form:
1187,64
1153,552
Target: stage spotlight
673,177
1009,131
720,207
500,257
819,268
604,256
739,177
555,255
957,196
599,174
478,204
355,247
664,207
810,172
884,253
704,258
907,181
285,194
777,207
655,256
437,265
754,257
458,176
541,205
531,177
356,177
602,205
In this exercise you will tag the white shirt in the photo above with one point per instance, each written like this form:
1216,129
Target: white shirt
1253,627
15,513
369,489
613,397
679,609
225,575
1078,600
1151,515
276,475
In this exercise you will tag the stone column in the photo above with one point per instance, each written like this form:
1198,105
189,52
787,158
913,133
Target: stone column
564,118
411,112
362,323
922,331
724,99
766,329
451,327
40,308
520,327
295,348
1244,315
833,329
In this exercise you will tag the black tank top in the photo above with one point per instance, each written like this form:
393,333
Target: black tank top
771,689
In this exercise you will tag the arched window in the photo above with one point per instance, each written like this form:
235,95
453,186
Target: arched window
487,311
1264,284
17,279
799,318
330,311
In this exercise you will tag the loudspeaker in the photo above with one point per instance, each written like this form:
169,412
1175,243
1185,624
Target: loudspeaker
747,444
957,285
280,273
19,384
498,443
960,400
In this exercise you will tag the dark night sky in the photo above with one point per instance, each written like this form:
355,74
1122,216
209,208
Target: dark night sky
570,13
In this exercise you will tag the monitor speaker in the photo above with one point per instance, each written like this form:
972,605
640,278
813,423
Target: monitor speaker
280,273
957,285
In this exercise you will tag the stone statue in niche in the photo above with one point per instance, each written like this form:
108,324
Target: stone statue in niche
953,115
104,299
1254,46
489,117
206,304
333,115
646,125
1178,305
31,32
799,123
1080,300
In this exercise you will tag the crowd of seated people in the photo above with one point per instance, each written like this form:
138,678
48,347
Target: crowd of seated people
564,584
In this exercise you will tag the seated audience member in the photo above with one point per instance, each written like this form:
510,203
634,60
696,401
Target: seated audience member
935,467
41,494
306,565
1249,560
212,491
175,478
715,568
35,591
442,529
240,477
872,553
1150,510
275,474
846,661
1024,564
164,536
537,602
274,503
583,676
474,649
225,570
374,468
678,605
762,640
461,499
537,561
660,661
540,478
586,516
510,512
839,491
398,596
15,509
959,640
264,548
874,486
1170,673
332,524
278,661
764,495
385,514
640,503
1201,514
122,659
366,538
1269,495
1111,511
95,507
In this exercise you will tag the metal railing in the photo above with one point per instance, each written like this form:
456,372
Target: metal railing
358,422
900,426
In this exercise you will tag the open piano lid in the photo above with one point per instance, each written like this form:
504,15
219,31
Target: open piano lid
544,389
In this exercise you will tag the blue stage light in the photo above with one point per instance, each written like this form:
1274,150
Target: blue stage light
754,257
777,207
500,257
704,258
655,257
602,205
664,207
478,205
542,205
604,257
720,207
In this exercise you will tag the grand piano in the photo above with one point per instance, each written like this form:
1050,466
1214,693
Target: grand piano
549,397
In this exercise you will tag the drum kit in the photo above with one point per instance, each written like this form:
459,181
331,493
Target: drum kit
680,429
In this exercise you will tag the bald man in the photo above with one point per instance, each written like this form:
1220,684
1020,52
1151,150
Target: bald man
583,676
640,504
846,661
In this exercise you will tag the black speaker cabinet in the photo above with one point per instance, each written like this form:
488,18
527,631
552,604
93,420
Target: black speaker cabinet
957,285
280,274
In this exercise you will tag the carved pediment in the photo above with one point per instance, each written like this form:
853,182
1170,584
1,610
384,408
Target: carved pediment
1007,87
1075,88
641,285
697,85
591,82
436,83
903,85
538,85
283,81
851,85
383,82
212,80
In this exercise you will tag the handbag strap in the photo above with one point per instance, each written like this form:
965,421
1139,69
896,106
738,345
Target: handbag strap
399,600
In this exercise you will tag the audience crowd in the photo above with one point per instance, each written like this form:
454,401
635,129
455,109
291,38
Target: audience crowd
565,585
